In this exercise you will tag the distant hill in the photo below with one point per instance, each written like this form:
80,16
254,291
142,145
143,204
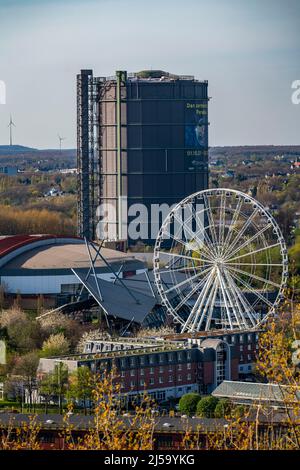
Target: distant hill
258,149
13,149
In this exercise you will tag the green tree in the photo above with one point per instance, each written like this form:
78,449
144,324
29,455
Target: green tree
24,334
26,368
188,403
47,388
60,383
294,254
223,408
81,386
206,407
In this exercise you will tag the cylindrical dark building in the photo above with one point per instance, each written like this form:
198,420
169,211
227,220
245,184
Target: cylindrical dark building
144,139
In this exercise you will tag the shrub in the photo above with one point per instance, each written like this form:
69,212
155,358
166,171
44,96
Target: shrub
206,407
188,403
223,408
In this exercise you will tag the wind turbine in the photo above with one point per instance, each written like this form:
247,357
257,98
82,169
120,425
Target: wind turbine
11,123
60,141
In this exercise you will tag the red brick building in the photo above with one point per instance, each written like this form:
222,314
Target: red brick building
166,371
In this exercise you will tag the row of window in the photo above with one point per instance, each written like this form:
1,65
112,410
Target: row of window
142,382
243,338
249,357
161,370
249,347
152,359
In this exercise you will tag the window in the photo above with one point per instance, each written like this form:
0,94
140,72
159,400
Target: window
233,339
132,384
249,338
47,438
132,373
151,370
189,365
132,362
179,378
241,339
151,360
122,373
161,380
142,382
170,368
122,385
170,378
249,357
122,362
161,369
189,355
161,358
179,366
241,348
249,347
179,356
170,357
241,358
142,372
151,381
142,360
189,377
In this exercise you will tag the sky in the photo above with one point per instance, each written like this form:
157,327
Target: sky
248,50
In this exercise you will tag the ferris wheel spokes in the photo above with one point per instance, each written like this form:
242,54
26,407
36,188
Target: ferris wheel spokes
225,285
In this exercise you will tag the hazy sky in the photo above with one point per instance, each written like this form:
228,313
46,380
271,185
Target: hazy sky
248,50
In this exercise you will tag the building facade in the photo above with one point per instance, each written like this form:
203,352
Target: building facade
166,371
142,139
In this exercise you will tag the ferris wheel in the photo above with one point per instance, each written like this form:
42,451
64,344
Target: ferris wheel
220,261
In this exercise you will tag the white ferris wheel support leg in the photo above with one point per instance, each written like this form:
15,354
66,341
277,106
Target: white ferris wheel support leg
241,302
191,293
209,305
255,291
198,304
224,298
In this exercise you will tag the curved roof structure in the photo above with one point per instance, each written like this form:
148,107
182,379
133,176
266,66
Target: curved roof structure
33,252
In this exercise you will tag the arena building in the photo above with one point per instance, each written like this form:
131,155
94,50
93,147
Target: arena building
35,265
